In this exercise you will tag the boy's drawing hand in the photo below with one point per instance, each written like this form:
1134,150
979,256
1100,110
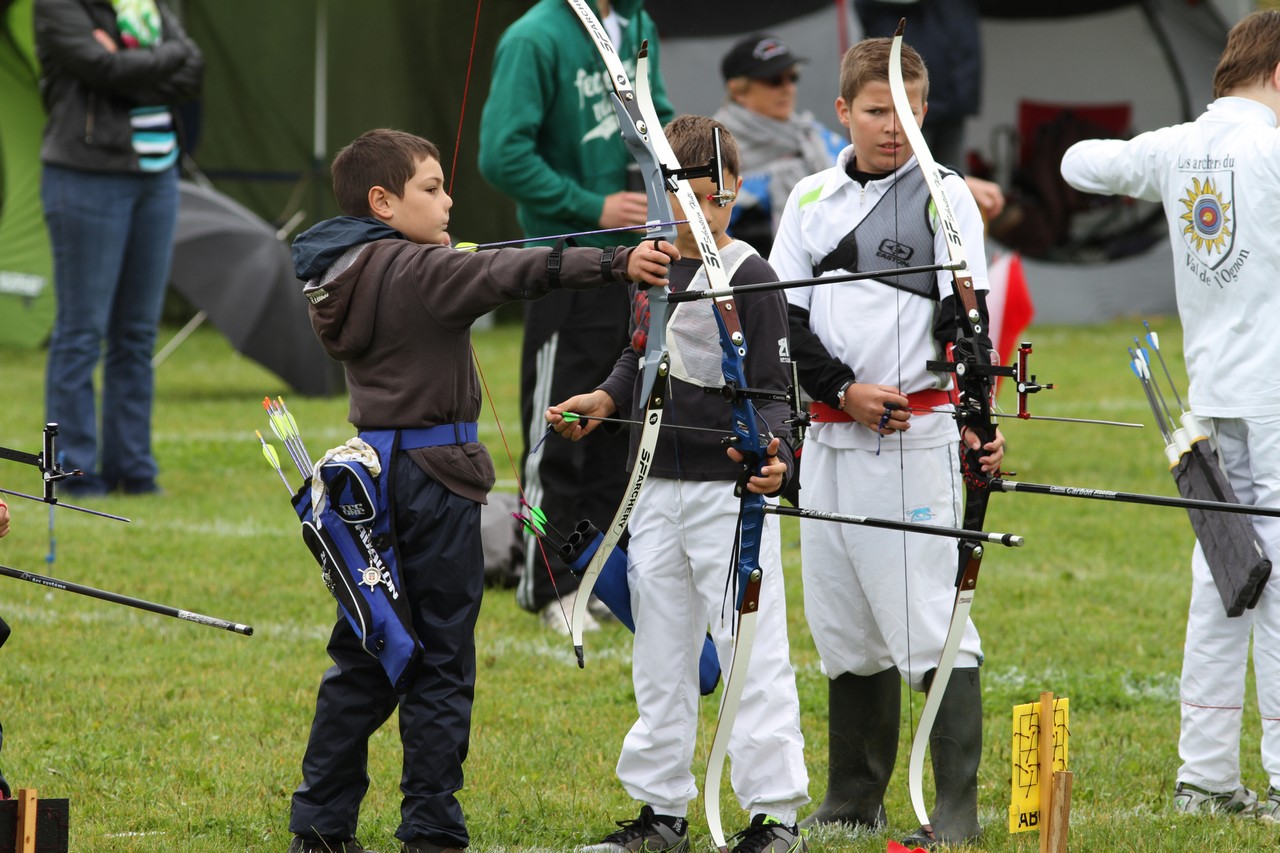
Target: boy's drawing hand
769,480
648,265
991,462
4,518
596,404
866,403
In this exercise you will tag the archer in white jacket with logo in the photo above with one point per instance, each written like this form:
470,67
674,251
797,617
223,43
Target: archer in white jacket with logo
1219,180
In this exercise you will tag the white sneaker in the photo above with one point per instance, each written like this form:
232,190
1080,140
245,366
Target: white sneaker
1268,810
1190,799
556,615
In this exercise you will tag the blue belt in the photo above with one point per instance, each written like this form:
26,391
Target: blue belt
436,436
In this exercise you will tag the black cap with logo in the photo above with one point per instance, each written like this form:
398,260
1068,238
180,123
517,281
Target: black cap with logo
758,56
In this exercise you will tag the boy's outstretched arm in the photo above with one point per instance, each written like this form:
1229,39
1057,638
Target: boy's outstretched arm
596,404
648,263
769,480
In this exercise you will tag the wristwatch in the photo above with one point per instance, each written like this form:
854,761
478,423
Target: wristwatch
840,395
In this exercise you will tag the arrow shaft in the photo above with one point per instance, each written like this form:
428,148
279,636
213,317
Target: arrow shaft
128,601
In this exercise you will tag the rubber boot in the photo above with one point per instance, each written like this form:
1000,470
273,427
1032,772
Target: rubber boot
862,725
955,747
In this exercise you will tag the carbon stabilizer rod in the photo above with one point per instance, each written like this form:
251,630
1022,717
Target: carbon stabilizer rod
999,485
128,601
1009,540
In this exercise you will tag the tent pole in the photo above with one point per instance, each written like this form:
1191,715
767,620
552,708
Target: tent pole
318,146
176,341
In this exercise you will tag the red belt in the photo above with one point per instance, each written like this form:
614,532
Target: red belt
917,401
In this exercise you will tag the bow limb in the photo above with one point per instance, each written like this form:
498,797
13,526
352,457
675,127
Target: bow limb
639,133
973,412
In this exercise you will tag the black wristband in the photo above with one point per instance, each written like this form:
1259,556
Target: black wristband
606,264
554,260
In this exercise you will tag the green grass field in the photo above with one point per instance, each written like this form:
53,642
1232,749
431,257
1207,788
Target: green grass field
168,736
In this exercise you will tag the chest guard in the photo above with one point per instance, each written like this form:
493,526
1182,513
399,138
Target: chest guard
693,338
898,232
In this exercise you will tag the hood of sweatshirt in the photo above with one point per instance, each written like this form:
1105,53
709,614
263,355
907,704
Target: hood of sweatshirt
316,249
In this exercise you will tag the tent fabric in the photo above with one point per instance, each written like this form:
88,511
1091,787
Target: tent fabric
412,65
396,63
26,261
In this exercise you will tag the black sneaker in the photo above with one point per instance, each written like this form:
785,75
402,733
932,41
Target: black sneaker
318,844
421,845
649,833
769,835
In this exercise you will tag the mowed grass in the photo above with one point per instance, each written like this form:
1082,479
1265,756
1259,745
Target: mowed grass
169,736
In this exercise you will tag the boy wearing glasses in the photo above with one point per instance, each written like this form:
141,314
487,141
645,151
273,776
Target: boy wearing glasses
678,558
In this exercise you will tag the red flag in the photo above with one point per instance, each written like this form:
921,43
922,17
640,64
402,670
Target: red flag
1008,303
895,847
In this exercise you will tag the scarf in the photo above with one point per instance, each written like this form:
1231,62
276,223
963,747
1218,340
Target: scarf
139,22
786,150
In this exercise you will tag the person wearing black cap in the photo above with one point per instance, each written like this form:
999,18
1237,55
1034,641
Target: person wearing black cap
779,146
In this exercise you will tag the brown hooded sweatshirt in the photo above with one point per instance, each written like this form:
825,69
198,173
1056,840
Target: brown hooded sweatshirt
398,315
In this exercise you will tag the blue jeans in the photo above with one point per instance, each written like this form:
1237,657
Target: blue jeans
112,239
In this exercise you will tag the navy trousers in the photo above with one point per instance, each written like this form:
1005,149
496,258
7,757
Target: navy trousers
442,568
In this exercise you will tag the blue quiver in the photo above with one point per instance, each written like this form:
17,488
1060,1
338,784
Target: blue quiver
352,541
612,588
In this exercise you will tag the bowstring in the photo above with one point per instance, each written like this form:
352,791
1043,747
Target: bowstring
475,356
902,473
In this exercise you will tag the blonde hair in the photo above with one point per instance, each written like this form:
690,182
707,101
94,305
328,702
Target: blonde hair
868,62
1251,55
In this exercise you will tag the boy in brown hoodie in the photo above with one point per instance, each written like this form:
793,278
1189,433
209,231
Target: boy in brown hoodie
395,303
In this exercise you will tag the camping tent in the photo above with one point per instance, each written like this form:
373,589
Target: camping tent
1150,61
291,81
26,289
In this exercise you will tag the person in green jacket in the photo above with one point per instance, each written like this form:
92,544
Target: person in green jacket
549,139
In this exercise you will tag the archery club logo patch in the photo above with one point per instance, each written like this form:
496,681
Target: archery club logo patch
1209,228
920,515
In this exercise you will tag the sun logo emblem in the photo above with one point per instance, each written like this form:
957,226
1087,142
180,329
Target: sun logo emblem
1208,226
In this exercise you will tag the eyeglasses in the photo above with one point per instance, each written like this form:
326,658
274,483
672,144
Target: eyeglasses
724,198
791,77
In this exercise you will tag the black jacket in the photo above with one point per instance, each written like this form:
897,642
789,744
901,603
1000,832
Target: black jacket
88,90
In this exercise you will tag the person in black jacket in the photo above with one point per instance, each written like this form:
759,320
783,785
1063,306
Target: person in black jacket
110,75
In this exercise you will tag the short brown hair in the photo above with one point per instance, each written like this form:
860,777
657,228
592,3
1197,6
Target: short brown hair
868,61
1251,55
692,140
379,158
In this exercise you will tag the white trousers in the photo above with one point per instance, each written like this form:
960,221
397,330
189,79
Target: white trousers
878,598
1217,648
678,561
